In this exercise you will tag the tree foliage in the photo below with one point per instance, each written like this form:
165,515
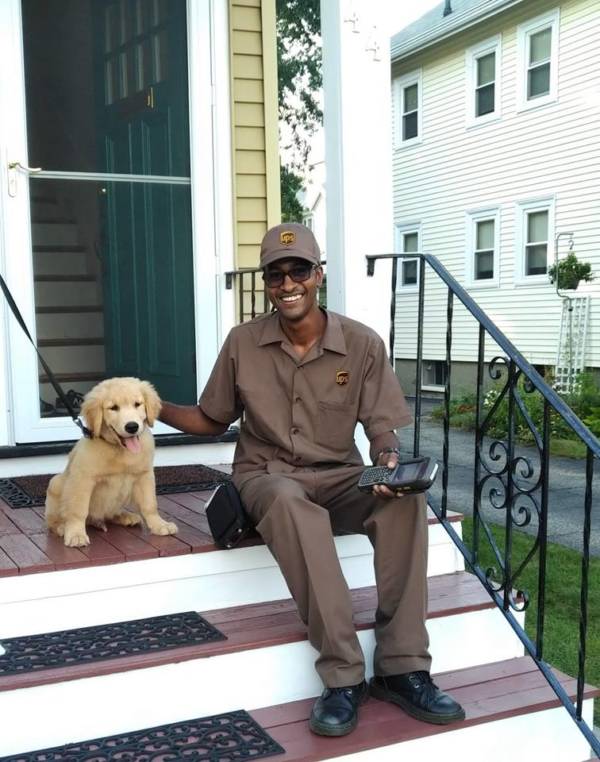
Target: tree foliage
300,80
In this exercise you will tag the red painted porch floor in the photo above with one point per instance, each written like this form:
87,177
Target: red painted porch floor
26,546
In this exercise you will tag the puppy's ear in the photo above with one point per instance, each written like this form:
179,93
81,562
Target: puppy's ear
151,401
91,410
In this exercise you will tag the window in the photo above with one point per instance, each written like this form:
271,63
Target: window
408,109
538,60
482,247
535,233
408,240
434,374
483,81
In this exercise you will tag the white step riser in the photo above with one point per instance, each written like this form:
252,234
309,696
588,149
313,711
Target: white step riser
83,597
70,326
55,234
60,262
179,691
75,359
550,735
48,294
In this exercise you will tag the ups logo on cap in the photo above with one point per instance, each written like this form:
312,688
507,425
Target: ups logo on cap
287,238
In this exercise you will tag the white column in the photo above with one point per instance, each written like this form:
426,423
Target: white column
357,119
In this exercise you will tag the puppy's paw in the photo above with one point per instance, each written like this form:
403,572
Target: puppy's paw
76,538
127,519
163,527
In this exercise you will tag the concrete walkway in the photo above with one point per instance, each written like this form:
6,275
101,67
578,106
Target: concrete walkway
567,483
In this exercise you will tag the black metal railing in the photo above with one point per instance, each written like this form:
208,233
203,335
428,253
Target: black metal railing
252,298
507,478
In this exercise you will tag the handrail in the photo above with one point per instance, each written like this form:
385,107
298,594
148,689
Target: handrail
503,477
503,342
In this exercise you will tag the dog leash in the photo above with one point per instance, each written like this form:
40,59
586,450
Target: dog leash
57,387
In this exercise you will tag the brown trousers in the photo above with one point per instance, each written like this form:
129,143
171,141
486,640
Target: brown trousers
297,514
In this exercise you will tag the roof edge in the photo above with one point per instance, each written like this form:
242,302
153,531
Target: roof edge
426,40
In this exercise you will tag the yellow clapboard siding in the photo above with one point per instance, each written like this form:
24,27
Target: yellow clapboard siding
252,209
249,115
246,43
250,138
248,91
251,186
254,123
251,232
247,67
250,162
245,18
248,255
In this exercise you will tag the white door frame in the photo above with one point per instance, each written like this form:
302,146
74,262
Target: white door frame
208,62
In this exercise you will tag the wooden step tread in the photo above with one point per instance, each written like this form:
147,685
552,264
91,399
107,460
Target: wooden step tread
55,248
84,278
492,692
68,309
263,625
81,342
26,547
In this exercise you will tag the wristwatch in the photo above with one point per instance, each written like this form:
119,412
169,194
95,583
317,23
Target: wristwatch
386,449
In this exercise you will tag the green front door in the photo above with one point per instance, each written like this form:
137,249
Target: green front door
146,245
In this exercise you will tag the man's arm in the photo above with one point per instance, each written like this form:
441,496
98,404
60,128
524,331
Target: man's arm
191,419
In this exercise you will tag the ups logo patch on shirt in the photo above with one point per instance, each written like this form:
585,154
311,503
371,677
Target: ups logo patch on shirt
342,377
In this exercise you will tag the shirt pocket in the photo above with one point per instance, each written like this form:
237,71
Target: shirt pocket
335,425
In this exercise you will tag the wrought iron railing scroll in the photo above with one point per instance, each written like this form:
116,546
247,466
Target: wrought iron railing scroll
510,482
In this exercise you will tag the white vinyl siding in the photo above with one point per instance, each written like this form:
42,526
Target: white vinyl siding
538,42
483,89
408,102
525,155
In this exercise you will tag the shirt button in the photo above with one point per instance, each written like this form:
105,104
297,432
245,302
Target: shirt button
297,458
298,399
295,431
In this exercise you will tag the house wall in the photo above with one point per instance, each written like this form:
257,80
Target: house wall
255,139
553,149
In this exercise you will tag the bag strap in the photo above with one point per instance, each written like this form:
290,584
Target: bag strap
57,387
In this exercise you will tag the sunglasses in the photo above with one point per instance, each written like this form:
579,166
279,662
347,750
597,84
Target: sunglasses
298,273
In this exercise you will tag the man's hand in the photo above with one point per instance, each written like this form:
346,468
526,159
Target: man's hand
390,460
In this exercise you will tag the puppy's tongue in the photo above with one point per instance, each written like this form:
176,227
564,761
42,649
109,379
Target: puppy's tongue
132,444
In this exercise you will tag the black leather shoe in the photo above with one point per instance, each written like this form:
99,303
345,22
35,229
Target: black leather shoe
418,695
335,712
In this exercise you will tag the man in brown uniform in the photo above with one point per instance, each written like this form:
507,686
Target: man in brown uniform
303,377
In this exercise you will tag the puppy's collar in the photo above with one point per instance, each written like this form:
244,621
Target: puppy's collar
84,429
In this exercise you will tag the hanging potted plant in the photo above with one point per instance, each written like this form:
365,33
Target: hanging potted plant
569,271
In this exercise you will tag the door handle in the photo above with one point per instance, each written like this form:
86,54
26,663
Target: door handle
13,167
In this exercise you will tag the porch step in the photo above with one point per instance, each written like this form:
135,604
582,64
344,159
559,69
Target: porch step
274,623
69,358
64,325
67,293
55,233
82,587
511,713
266,658
49,262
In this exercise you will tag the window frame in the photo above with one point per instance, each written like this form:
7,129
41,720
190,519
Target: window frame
472,55
400,85
400,231
524,208
473,216
525,31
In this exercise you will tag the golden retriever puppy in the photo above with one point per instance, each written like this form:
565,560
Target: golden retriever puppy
112,470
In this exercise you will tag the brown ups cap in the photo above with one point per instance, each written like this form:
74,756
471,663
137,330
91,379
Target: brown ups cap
289,240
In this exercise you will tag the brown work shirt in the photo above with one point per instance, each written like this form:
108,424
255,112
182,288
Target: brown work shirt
303,412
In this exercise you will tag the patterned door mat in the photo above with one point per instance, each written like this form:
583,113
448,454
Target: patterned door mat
228,736
30,491
31,653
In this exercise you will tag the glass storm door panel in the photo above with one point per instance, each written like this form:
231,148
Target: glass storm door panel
106,89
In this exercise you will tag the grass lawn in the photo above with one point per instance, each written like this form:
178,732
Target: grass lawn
563,576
